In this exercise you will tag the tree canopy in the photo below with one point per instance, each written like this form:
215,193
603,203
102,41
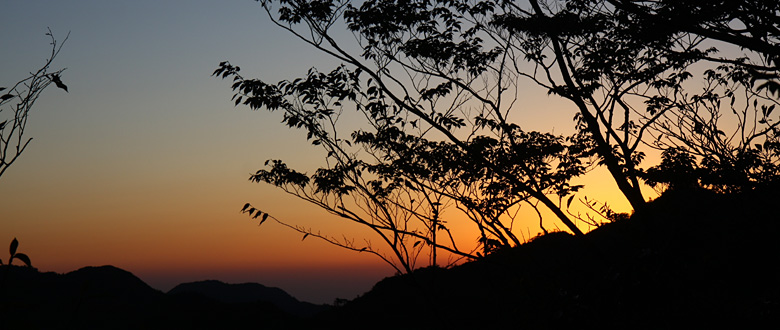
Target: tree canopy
436,83
18,100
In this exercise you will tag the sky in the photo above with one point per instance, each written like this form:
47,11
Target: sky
144,163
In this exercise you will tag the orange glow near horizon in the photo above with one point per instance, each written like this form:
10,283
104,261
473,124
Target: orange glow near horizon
199,233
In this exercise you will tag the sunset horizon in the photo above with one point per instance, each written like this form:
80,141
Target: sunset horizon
143,163
494,161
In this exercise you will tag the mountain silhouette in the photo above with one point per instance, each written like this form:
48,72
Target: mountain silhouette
112,283
247,293
91,297
108,297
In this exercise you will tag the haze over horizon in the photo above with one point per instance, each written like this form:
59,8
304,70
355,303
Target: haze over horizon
143,164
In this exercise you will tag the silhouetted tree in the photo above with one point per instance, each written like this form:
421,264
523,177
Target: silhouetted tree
437,82
625,69
487,173
728,125
746,24
398,184
17,101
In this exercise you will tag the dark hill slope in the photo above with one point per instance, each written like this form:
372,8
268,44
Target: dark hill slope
247,293
111,298
91,297
689,259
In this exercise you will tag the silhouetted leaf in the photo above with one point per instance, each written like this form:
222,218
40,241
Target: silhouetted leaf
56,79
246,206
771,86
265,217
14,245
5,97
304,237
257,214
416,244
698,128
24,258
568,202
2,125
2,89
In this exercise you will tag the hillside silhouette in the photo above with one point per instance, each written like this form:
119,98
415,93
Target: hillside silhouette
247,293
692,258
111,298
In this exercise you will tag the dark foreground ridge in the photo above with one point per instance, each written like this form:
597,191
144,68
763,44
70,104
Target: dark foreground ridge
690,259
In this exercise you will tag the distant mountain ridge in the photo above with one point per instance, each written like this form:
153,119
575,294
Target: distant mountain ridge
108,297
247,293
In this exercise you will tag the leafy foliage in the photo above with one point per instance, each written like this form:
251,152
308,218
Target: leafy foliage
745,171
437,83
398,182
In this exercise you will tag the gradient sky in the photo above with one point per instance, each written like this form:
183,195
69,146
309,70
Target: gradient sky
144,163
